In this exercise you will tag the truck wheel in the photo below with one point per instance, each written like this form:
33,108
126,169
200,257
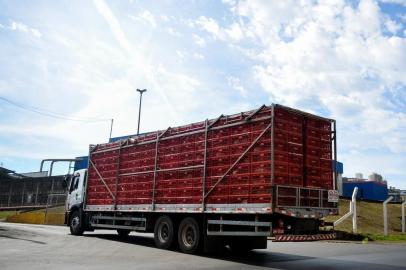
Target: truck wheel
163,232
189,236
76,223
123,233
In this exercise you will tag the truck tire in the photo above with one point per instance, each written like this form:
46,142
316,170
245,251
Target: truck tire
189,236
123,233
76,223
164,232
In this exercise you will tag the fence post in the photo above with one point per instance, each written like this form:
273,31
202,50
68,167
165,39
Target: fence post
9,194
403,216
46,211
36,194
385,215
354,210
22,196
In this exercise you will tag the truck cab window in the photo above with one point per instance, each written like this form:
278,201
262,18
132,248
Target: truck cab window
74,185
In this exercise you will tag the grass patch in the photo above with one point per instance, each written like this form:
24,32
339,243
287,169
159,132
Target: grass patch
393,237
370,218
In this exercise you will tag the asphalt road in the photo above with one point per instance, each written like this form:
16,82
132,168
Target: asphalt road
52,247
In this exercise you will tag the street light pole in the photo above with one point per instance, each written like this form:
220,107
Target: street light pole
111,127
141,91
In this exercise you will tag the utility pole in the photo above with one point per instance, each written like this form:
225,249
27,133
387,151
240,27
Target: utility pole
141,91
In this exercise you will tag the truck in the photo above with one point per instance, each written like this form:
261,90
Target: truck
230,181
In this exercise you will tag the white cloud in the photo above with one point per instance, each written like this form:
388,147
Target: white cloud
201,42
399,2
392,26
210,25
113,23
165,18
235,32
198,56
235,83
173,32
19,26
180,54
147,17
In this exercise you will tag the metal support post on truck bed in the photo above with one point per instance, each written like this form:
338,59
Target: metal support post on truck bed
158,136
273,199
205,163
206,134
118,172
334,134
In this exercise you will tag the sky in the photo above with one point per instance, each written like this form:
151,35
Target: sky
84,60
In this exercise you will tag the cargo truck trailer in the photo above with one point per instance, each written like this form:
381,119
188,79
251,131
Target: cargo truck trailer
231,181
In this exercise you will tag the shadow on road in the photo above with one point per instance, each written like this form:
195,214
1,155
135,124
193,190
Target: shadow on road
262,258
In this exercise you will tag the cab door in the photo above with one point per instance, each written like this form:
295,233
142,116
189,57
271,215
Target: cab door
76,190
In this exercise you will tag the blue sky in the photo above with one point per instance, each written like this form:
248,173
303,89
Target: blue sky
342,59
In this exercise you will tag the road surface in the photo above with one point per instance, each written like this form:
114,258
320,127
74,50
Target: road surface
33,247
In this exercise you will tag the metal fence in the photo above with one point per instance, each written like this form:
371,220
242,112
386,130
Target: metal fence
32,192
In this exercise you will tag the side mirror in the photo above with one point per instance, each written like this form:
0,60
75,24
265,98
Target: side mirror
66,181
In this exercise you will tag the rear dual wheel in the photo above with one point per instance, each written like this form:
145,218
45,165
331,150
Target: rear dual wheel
164,232
189,235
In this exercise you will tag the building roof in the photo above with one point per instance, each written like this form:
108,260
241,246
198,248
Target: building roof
5,171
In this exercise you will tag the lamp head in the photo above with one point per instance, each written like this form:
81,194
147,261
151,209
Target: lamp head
141,91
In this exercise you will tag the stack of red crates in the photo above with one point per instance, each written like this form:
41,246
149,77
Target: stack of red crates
318,153
288,148
302,157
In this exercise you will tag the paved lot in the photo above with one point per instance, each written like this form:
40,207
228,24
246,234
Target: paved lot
51,247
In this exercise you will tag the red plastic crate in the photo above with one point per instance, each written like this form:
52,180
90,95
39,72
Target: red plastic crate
281,168
313,171
295,159
295,169
281,178
312,161
295,149
296,180
313,151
